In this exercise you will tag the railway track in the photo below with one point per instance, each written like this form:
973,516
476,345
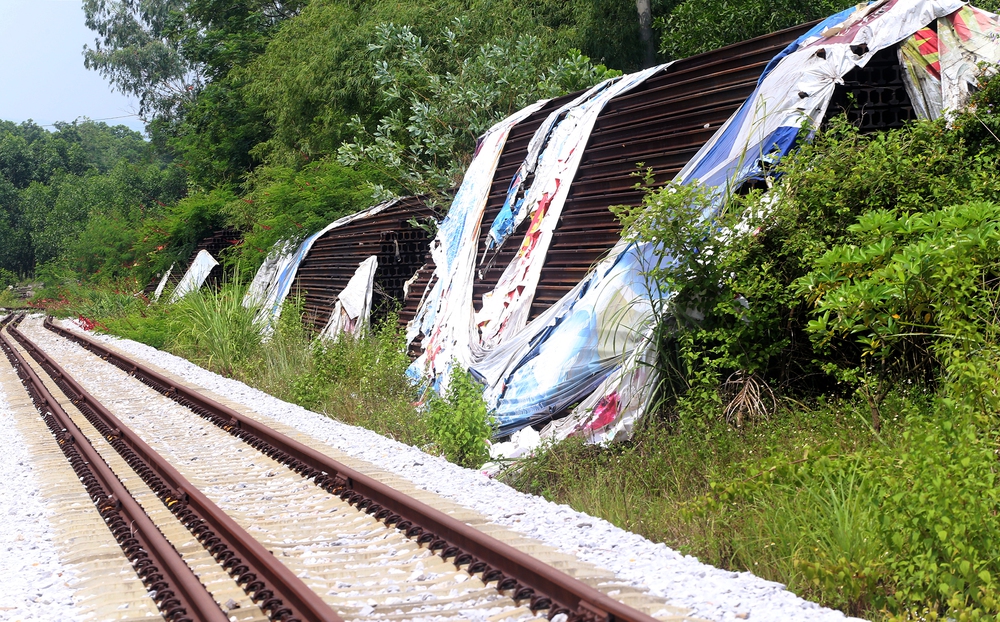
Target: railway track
236,520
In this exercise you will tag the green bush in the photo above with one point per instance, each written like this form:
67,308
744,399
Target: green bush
939,508
459,423
695,26
357,380
914,289
441,96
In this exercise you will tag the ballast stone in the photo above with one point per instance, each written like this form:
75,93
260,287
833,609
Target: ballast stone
708,592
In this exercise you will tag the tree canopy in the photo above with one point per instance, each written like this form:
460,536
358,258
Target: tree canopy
245,97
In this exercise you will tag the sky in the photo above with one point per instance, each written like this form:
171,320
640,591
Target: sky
42,76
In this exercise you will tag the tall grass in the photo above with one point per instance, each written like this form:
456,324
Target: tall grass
730,497
357,380
216,330
10,301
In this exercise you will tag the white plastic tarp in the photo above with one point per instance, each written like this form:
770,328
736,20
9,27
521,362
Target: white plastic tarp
794,91
195,276
163,283
353,308
505,308
445,312
275,261
576,345
451,329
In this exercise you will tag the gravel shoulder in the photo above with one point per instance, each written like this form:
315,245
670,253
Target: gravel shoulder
36,585
708,592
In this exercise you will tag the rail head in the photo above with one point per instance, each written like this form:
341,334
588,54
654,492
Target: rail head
527,578
174,587
276,588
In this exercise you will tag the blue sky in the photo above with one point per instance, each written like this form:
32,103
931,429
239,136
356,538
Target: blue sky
42,76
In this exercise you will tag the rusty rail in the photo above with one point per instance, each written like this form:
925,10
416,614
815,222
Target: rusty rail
277,591
175,589
525,577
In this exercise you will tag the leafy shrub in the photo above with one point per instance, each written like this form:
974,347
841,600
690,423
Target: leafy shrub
283,203
695,26
358,380
441,96
459,423
8,300
913,289
7,278
939,503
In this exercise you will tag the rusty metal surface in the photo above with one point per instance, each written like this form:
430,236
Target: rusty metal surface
401,249
526,578
217,242
275,588
175,588
661,124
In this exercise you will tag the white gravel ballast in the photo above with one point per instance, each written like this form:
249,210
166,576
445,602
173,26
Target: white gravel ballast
708,592
34,585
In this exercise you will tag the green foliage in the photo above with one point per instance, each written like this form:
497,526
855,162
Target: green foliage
84,179
316,73
7,278
914,290
214,138
360,380
173,236
754,499
136,53
459,423
287,204
223,34
696,26
9,301
935,495
884,248
440,96
737,301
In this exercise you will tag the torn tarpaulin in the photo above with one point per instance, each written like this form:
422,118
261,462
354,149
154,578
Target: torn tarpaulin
943,64
446,317
273,281
195,276
353,308
445,314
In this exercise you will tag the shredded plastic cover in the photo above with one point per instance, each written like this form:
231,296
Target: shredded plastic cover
353,308
163,283
195,276
273,281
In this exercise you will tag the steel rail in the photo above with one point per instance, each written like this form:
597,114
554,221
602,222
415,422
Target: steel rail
277,591
525,577
176,590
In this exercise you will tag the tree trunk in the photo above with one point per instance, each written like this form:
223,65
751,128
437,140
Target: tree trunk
646,32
